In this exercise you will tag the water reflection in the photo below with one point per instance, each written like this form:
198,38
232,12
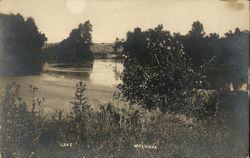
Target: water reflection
71,75
106,72
117,70
100,71
70,71
57,83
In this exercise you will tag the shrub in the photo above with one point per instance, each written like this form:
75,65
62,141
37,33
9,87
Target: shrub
157,74
21,129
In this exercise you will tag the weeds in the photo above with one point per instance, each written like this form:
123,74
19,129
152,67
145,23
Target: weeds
112,131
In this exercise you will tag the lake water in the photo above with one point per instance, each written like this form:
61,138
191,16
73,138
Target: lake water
104,72
57,83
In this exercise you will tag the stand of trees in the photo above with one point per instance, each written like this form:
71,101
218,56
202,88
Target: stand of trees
226,56
74,49
156,72
164,70
20,45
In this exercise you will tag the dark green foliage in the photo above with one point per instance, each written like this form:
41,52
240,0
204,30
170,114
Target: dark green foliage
74,49
157,74
21,44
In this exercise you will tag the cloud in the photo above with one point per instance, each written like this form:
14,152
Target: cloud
234,4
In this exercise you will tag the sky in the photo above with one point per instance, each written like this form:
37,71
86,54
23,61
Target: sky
114,18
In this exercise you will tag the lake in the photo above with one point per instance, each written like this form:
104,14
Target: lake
57,83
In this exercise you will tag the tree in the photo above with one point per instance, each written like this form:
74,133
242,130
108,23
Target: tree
197,30
235,47
117,47
21,45
194,45
157,73
74,49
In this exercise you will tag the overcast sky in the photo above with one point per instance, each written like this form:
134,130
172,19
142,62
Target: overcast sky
113,18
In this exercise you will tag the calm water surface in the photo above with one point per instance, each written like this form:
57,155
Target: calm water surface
57,82
104,72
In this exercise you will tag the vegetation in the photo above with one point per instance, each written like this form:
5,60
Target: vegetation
166,71
161,107
21,44
99,50
202,48
74,49
102,50
157,74
112,131
226,56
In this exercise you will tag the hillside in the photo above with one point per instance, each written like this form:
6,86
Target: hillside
95,48
100,50
105,48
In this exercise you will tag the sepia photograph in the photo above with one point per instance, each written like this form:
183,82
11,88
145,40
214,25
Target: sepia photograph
124,78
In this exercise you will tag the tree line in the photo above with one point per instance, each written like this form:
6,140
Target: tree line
164,70
74,49
21,44
227,56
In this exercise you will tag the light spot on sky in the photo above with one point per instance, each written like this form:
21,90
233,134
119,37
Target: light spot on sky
115,15
76,6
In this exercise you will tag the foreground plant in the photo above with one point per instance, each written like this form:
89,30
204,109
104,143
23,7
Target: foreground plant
114,130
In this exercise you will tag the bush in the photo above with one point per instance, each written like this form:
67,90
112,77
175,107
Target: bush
20,128
157,74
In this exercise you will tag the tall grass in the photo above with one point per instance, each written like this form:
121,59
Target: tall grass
112,131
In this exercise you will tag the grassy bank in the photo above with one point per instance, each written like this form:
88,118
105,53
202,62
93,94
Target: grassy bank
104,51
114,131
